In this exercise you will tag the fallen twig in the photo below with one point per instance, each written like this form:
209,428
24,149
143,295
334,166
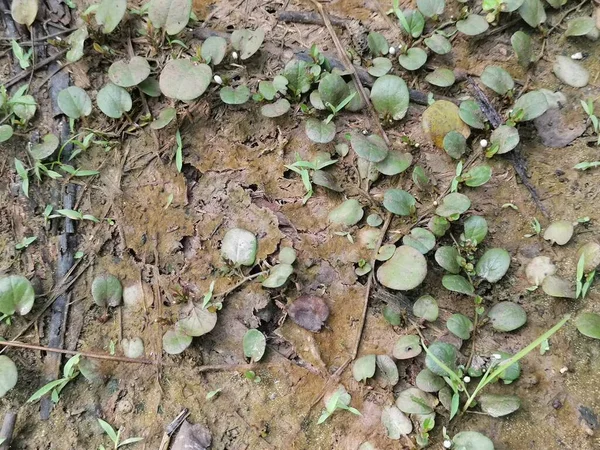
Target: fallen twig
8,427
518,163
310,18
484,103
38,66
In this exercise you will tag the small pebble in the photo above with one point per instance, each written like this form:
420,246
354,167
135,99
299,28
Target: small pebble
577,55
234,55
365,132
467,379
483,143
556,404
564,370
392,51
447,444
496,356
218,79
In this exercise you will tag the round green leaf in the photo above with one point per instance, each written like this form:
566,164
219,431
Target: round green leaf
413,59
348,213
431,8
278,275
176,341
420,178
493,265
557,287
472,440
499,405
497,79
428,381
279,108
447,257
6,132
441,77
426,308
455,144
387,369
521,43
475,229
438,226
506,137
181,79
453,204
588,324
171,15
533,104
357,103
24,12
392,315
197,321
128,74
460,325
16,295
164,118
580,26
113,101
74,102
591,256
415,401
247,42
333,89
477,176
375,220
445,353
8,375
364,367
471,114
395,422
571,72
25,108
235,96
399,202
378,44
404,271
389,95
421,239
559,232
254,344
438,44
512,372
150,87
268,90
107,290
319,131
299,79
214,49
326,179
371,148
77,40
45,148
532,12
386,252
472,25
239,247
407,347
507,316
287,255
394,163
110,13
458,283
380,67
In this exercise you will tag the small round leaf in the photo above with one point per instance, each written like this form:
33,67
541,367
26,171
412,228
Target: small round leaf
254,344
507,316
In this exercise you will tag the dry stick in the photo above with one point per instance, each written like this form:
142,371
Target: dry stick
39,65
309,18
8,427
43,38
350,67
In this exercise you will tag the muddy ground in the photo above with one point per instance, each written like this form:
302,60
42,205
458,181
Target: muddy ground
234,176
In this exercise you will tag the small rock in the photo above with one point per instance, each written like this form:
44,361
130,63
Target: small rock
564,370
557,404
124,407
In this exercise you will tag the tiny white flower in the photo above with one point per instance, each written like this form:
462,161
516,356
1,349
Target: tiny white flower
467,379
218,79
365,132
234,55
392,50
496,356
58,38
435,203
483,143
577,55
447,443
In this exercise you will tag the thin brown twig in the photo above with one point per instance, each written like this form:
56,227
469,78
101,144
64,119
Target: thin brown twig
39,65
43,38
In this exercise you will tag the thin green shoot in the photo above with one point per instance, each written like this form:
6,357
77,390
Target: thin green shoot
585,165
54,388
115,436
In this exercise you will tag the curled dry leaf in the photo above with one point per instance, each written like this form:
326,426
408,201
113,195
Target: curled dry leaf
309,311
